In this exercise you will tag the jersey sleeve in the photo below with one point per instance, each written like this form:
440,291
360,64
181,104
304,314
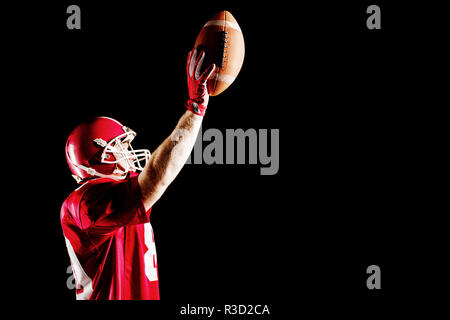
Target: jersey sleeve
107,206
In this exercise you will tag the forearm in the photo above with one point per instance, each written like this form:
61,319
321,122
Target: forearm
169,158
171,155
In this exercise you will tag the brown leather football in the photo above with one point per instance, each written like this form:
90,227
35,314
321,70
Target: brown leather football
223,42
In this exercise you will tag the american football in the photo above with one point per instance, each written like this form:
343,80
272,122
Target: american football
223,42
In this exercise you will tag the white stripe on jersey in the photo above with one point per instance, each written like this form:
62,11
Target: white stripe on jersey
81,278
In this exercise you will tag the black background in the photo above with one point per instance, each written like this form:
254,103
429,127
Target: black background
349,103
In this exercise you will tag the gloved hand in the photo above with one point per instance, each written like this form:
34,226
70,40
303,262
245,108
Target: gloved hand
197,84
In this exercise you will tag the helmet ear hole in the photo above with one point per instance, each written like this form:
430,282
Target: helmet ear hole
96,164
94,161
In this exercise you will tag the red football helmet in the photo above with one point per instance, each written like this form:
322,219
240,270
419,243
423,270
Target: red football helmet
95,147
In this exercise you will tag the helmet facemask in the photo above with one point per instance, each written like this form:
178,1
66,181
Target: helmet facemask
115,152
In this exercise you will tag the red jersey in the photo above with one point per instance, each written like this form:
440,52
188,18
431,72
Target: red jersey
110,241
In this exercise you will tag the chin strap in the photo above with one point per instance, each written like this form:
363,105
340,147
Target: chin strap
117,174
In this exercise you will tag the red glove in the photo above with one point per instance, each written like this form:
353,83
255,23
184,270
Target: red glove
197,84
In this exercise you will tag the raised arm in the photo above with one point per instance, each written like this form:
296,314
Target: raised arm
168,159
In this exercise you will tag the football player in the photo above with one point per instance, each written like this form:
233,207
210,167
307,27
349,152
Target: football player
105,221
